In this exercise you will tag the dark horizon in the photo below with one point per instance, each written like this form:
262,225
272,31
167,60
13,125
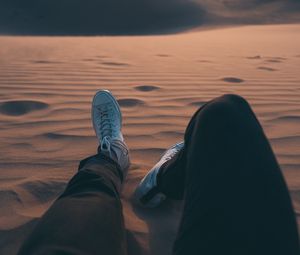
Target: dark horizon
137,17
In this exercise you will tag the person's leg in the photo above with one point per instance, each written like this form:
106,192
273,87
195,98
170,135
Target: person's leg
149,192
236,200
87,218
171,177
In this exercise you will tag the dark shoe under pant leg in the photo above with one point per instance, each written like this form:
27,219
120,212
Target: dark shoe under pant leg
87,218
171,177
236,200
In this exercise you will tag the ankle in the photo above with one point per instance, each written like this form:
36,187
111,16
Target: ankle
117,151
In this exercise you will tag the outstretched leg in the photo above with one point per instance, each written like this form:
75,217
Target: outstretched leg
235,198
87,218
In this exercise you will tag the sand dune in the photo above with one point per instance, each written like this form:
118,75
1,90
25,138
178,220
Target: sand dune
47,85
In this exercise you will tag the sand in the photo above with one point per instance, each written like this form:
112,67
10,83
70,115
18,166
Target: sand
47,86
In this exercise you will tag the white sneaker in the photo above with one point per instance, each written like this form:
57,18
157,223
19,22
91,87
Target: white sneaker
147,193
107,122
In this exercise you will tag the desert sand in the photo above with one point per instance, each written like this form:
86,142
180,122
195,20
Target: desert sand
47,84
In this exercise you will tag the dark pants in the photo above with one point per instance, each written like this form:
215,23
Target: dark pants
235,199
87,218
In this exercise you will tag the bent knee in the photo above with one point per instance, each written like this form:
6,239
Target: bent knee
232,99
223,107
229,103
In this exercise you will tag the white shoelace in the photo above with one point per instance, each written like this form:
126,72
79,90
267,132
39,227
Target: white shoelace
106,128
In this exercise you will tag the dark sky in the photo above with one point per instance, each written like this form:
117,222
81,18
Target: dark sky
111,17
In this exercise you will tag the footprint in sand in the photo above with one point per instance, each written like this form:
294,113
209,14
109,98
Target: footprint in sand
275,59
265,68
45,62
18,108
163,55
101,56
89,59
233,80
204,61
254,57
44,190
146,88
64,136
114,64
130,102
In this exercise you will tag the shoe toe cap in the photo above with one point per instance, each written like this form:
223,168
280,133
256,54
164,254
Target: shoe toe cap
102,97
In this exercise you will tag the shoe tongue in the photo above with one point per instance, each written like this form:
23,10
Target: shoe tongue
105,145
116,150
